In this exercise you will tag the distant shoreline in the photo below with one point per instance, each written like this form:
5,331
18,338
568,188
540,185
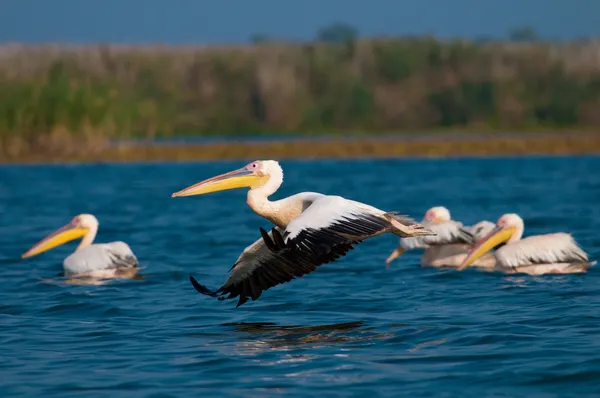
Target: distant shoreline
437,145
421,135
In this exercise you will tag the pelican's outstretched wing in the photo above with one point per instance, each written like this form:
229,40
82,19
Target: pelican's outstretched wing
328,229
542,249
258,269
449,232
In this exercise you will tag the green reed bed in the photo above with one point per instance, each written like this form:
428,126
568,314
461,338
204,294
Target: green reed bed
71,101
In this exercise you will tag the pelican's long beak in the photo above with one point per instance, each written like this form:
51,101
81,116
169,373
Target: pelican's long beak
65,234
497,236
395,254
241,178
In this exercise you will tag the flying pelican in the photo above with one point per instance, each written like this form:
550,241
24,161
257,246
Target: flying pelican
556,253
89,260
311,229
451,244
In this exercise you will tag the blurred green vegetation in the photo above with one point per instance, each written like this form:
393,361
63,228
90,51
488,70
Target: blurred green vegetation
65,98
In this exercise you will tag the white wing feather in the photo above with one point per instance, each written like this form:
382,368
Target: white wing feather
326,211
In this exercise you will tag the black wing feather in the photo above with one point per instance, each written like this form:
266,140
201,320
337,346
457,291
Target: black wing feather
300,255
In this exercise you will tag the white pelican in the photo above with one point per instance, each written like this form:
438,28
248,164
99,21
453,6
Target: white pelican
311,229
556,253
451,244
89,260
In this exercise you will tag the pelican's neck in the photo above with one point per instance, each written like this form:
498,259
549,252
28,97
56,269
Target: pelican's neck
258,197
517,235
89,237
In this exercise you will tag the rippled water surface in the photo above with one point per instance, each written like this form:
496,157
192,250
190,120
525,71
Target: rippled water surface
350,328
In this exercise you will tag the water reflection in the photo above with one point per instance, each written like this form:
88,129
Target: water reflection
270,327
266,336
93,280
427,344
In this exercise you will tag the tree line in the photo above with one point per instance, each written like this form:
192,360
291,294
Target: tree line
54,95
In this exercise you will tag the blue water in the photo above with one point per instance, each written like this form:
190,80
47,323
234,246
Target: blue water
348,329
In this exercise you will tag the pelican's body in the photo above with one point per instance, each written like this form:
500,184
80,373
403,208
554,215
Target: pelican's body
89,260
103,259
556,253
311,229
450,245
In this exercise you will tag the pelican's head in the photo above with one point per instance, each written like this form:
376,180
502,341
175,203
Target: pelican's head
437,214
509,228
78,227
253,175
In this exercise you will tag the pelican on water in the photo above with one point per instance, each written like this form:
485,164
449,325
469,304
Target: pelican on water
90,260
451,244
310,229
556,253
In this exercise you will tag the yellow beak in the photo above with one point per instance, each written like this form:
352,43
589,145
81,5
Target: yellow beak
395,254
241,178
65,234
497,236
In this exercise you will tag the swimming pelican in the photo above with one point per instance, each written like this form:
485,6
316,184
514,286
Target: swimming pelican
556,253
90,260
311,229
451,244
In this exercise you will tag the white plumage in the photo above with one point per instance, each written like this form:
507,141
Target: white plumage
105,258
